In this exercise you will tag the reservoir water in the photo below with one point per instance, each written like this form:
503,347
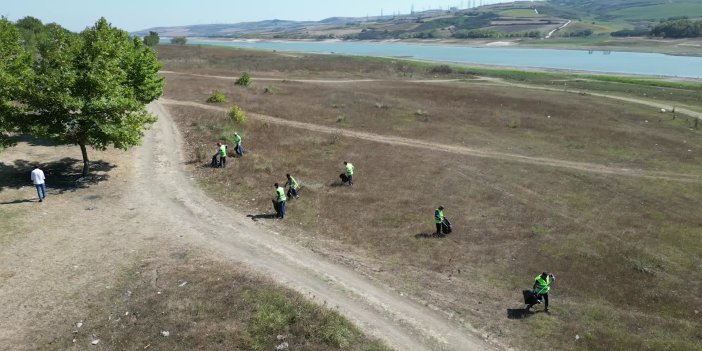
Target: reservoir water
577,60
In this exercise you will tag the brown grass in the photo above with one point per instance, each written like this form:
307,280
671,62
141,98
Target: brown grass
626,250
207,305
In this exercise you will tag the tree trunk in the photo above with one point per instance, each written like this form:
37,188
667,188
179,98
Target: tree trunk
86,162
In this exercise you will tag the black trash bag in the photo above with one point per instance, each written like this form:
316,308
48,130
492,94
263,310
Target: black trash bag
446,226
215,162
531,298
344,177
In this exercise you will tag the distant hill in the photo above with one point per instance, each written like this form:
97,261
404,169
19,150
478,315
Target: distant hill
514,19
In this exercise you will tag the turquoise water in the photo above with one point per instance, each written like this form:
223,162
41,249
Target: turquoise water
579,60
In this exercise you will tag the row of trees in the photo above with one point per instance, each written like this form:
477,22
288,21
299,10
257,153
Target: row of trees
681,28
86,89
672,28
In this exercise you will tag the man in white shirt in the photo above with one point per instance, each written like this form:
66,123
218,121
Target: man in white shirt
38,180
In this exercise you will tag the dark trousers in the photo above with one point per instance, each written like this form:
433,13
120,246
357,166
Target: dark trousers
222,161
545,296
281,209
350,179
292,192
438,228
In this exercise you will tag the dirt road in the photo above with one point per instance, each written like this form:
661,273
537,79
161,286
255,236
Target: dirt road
164,188
47,275
462,150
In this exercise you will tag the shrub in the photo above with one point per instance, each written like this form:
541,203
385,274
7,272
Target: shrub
237,115
217,97
244,80
513,123
442,69
179,40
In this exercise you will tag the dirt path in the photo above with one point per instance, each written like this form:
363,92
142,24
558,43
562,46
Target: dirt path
461,150
498,81
399,321
657,105
150,203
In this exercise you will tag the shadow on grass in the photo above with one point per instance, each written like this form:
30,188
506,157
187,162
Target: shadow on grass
521,313
429,236
61,176
256,217
17,202
518,313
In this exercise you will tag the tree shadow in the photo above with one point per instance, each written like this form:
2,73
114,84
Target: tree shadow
256,217
61,176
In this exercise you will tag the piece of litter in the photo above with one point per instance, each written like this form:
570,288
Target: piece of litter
165,333
689,150
95,342
182,284
646,121
79,323
74,340
577,337
282,346
126,313
158,292
662,110
281,336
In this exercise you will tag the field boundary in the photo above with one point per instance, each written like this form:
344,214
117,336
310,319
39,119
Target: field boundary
461,150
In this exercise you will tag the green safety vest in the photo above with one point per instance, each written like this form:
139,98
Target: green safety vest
280,193
223,150
293,183
349,169
438,216
237,139
542,285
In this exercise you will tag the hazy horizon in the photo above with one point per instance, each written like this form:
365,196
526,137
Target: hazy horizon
132,15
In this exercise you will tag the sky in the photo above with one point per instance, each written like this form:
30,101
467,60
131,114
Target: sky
133,15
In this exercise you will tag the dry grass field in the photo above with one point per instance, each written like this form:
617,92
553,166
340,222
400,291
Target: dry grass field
204,304
625,249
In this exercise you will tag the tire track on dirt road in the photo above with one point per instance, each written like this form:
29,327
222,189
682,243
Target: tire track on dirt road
461,150
167,193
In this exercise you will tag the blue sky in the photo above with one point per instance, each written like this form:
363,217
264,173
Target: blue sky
135,15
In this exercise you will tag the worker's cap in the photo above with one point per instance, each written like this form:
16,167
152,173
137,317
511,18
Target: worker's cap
544,273
236,133
441,207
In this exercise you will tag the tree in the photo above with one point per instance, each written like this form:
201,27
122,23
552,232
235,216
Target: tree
179,40
152,39
91,89
14,73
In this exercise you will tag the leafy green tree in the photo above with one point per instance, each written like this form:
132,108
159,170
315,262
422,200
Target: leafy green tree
179,40
152,39
91,89
15,71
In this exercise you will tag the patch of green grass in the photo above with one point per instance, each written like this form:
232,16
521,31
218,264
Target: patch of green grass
520,13
663,11
221,307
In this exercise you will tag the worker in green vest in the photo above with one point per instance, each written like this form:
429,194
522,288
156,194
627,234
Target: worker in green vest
438,219
542,284
293,186
349,172
280,200
222,149
237,145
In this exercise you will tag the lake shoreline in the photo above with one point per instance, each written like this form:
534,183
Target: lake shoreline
515,43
